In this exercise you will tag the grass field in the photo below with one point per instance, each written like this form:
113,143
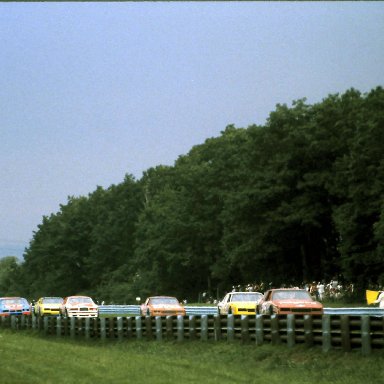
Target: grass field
26,357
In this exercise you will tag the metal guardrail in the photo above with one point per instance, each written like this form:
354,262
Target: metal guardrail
345,332
206,310
135,310
354,311
119,309
212,310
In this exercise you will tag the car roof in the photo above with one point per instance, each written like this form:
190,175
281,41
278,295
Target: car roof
162,297
11,297
287,289
77,296
243,293
50,297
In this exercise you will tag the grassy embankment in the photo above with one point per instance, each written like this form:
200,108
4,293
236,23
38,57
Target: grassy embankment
30,358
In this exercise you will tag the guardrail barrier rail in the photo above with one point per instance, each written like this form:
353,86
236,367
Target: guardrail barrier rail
343,332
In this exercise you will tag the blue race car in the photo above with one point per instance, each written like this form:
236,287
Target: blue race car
14,306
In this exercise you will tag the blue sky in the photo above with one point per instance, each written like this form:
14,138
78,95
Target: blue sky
92,91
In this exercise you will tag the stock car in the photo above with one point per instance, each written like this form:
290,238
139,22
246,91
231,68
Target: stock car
14,306
79,306
239,303
48,306
162,306
285,301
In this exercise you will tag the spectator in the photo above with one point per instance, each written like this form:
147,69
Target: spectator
321,290
313,290
380,300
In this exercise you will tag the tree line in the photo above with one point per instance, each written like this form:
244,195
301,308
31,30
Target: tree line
297,199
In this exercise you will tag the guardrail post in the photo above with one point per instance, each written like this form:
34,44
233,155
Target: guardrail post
259,330
180,328
326,328
275,335
230,327
72,328
139,331
52,325
33,322
103,329
110,327
129,327
192,327
204,327
65,324
22,322
120,328
45,325
345,333
244,329
87,328
365,335
169,327
39,322
290,330
148,327
308,330
58,326
217,326
159,328
13,322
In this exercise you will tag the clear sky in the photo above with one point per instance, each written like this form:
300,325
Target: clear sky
90,92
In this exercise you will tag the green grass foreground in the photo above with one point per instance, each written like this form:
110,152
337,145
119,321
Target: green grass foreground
27,357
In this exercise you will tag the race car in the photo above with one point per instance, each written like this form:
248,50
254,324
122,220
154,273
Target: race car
48,306
239,303
162,306
285,301
78,306
14,306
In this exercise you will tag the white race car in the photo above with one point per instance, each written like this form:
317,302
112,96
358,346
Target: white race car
79,306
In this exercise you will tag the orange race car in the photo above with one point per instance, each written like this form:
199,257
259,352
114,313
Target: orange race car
285,301
162,306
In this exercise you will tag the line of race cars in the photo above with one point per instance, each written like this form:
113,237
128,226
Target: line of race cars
71,306
279,301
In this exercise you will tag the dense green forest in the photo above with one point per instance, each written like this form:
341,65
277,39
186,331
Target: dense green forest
298,199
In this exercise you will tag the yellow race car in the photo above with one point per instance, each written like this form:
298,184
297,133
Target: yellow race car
239,303
48,306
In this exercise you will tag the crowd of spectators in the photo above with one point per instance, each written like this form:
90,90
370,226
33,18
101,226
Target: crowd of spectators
319,290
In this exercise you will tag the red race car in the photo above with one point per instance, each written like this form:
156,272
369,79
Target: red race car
285,301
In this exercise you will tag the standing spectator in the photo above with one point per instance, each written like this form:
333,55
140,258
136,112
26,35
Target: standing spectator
321,290
380,300
313,290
